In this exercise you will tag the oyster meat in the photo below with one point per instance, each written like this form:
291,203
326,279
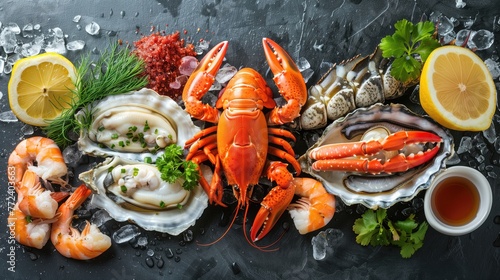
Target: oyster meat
379,190
136,125
132,191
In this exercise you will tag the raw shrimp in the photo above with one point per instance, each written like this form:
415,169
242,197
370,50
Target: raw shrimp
68,241
314,209
50,163
34,200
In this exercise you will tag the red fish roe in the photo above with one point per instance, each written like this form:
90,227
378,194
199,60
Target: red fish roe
162,54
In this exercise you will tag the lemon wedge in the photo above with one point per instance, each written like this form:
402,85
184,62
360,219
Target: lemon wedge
41,87
457,90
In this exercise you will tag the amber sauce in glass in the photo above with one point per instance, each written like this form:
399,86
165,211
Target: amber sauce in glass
455,201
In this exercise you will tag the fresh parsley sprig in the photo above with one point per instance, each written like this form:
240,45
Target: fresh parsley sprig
375,228
172,167
409,41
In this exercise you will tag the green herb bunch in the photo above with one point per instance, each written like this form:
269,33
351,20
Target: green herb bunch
172,167
408,41
375,228
116,71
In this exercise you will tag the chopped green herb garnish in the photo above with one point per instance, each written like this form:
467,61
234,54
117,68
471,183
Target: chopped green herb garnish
132,128
179,206
136,171
162,204
172,167
407,42
146,126
114,136
121,144
148,160
101,128
28,219
123,189
123,170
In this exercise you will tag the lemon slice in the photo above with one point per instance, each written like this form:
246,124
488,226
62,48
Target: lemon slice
457,90
41,87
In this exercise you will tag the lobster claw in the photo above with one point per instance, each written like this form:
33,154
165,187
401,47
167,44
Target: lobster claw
200,82
272,207
289,82
275,202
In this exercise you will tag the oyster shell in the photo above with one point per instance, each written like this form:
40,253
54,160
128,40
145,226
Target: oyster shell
131,191
135,125
382,190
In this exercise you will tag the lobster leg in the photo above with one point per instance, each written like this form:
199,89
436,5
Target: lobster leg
289,81
275,202
200,82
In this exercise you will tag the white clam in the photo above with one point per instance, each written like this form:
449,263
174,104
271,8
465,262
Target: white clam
131,191
135,125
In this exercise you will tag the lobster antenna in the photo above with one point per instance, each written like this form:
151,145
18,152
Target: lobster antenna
227,230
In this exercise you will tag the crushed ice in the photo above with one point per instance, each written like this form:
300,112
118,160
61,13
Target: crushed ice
326,240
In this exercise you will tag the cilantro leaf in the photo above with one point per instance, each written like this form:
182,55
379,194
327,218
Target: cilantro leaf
410,45
375,228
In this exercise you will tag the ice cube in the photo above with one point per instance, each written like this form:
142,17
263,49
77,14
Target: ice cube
92,28
75,45
444,25
494,67
482,39
77,18
303,64
72,154
460,4
142,241
327,239
490,133
465,145
225,73
100,217
126,233
8,116
462,37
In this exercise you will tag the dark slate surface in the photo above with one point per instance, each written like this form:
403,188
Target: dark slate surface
344,29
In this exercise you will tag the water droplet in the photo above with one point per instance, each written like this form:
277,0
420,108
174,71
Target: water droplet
169,253
160,262
177,259
122,14
187,236
178,251
33,256
496,220
150,262
150,252
236,268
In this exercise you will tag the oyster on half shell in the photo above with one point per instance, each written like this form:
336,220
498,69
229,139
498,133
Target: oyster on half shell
381,190
135,125
131,191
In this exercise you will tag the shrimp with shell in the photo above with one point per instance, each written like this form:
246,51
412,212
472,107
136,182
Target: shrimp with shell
49,160
32,232
314,209
68,241
36,201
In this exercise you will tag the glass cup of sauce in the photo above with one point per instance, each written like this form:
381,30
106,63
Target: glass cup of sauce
458,201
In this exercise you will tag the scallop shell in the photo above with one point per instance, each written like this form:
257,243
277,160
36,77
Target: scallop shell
114,114
172,220
384,190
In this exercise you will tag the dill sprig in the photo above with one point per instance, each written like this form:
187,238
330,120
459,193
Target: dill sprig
116,71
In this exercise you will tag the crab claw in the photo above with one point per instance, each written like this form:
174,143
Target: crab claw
398,140
272,207
200,82
289,81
